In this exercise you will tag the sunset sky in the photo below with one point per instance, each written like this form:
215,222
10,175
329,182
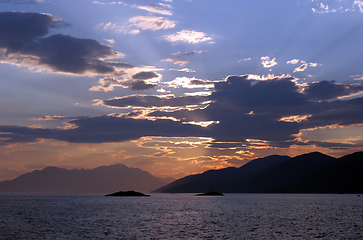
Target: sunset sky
177,87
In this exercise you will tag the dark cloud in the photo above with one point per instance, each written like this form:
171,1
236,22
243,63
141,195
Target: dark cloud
178,57
329,89
22,38
331,145
185,115
74,55
109,81
153,101
200,82
340,112
224,145
145,75
120,65
102,129
269,110
194,52
247,109
55,117
242,92
18,30
136,82
140,85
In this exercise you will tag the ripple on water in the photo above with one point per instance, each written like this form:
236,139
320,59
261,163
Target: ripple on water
181,216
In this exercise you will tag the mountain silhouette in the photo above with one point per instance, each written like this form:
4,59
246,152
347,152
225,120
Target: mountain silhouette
103,179
223,180
308,173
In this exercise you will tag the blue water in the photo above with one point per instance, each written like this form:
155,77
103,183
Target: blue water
181,216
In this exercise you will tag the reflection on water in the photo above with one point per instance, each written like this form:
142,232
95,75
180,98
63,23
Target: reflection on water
181,216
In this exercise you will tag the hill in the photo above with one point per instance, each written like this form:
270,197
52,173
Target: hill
223,179
308,173
104,179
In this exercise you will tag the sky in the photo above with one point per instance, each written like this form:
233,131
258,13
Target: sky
177,87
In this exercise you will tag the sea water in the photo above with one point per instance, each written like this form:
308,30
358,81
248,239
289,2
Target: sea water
181,216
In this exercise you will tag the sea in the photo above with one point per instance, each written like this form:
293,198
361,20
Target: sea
181,216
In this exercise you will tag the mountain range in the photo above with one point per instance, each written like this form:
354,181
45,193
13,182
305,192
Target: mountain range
308,173
104,179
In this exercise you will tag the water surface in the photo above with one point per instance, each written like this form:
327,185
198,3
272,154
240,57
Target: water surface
181,216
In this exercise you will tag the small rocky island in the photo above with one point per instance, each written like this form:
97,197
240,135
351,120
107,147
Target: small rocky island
127,194
211,193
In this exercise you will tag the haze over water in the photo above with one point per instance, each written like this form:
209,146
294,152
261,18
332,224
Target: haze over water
181,216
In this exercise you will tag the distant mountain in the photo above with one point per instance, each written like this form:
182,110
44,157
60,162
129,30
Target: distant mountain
105,179
308,173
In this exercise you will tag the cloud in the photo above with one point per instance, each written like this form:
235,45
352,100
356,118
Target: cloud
182,70
23,42
23,28
140,85
357,77
104,129
190,83
145,101
194,52
304,66
244,60
267,62
255,109
263,94
189,36
296,118
107,26
325,90
293,61
359,4
134,32
74,55
134,78
151,23
110,41
49,118
177,60
267,77
144,75
256,114
106,84
138,80
334,6
159,8
140,22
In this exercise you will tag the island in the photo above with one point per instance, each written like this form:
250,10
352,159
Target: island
210,193
127,194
